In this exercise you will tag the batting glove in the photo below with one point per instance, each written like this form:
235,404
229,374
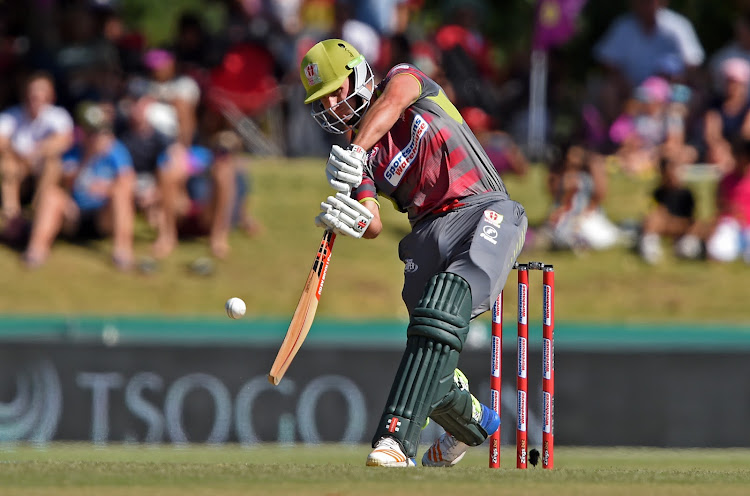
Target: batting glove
344,215
345,167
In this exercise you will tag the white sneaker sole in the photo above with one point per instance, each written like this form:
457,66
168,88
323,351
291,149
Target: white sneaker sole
428,462
390,458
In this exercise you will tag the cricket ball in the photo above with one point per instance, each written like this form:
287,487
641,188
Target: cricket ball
235,308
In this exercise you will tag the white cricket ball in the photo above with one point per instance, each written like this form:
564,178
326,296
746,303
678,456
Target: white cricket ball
235,308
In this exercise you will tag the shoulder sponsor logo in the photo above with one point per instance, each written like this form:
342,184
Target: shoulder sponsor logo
410,266
492,217
312,74
489,233
404,158
400,67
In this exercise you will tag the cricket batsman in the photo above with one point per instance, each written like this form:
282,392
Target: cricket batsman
409,143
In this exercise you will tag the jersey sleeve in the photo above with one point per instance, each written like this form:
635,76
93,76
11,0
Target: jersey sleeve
366,190
420,76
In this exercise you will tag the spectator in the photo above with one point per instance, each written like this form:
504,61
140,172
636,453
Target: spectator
466,56
505,155
637,42
33,137
96,198
730,238
728,117
739,47
673,216
642,130
180,92
200,197
355,32
149,148
578,184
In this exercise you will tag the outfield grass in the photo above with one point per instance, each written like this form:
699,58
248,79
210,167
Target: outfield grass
79,469
364,279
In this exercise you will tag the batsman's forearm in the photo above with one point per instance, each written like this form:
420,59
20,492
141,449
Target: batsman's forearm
377,121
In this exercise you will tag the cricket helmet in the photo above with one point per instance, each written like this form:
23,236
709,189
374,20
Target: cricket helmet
323,70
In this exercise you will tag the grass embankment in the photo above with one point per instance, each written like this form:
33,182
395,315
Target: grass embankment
364,279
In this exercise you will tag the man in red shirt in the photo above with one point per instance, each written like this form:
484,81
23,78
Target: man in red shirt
410,144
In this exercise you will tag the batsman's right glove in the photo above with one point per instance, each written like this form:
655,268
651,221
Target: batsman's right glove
344,215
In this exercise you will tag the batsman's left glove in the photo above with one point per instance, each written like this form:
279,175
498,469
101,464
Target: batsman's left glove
345,167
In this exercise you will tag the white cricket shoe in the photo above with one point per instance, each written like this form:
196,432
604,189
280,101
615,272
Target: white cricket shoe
388,453
446,451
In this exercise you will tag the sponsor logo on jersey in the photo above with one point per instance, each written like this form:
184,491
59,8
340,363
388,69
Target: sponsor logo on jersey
547,359
521,411
410,266
489,233
496,356
398,166
492,217
312,74
523,359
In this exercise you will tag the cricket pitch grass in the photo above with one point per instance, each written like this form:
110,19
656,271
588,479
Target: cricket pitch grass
85,470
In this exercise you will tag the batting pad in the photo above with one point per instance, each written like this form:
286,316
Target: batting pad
437,331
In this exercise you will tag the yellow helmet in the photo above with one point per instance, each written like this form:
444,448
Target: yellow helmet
323,70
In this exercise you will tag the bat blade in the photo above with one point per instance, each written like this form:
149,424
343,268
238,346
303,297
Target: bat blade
304,314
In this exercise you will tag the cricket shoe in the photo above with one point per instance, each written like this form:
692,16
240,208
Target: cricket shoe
447,451
388,453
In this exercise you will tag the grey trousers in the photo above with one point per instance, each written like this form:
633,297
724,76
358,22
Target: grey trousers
479,241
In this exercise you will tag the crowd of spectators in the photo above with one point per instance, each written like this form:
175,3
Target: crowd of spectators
658,108
100,126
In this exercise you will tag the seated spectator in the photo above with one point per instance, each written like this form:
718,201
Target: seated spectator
180,92
505,155
202,194
577,182
33,137
643,128
730,238
636,43
96,198
673,216
739,47
149,148
728,119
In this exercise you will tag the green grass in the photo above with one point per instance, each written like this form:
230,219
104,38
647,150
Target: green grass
80,469
364,279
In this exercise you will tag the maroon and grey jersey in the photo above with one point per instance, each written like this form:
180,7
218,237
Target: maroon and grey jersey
430,160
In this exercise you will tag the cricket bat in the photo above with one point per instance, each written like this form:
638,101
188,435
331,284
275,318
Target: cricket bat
305,313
